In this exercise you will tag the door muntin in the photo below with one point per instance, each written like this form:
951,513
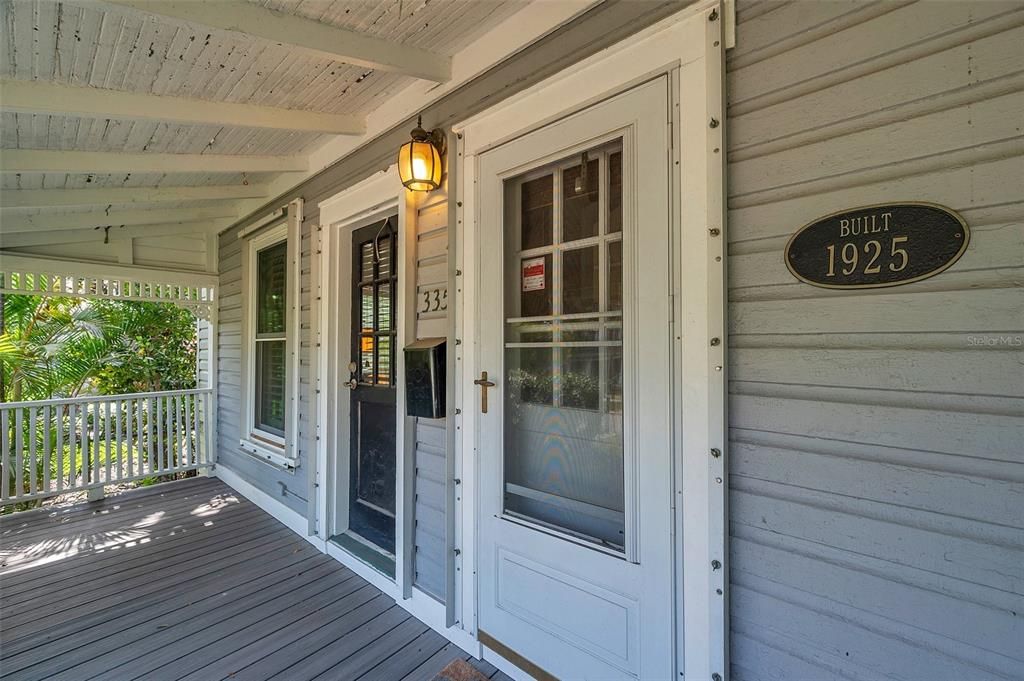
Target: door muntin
372,475
563,419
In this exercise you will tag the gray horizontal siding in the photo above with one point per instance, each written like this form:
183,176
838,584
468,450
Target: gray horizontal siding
876,455
431,435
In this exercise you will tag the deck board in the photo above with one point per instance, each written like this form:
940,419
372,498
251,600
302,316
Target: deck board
189,581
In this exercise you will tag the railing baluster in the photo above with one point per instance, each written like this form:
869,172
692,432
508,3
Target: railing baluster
19,454
198,404
31,432
150,423
176,424
184,459
47,410
160,433
96,478
189,432
106,440
129,440
59,448
140,407
72,445
5,452
118,426
173,434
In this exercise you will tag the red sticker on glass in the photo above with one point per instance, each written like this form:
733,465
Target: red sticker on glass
533,274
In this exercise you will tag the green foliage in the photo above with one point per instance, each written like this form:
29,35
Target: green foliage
156,348
63,346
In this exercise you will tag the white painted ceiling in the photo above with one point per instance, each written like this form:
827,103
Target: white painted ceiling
90,43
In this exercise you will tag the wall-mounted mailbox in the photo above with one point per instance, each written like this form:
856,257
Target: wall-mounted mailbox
425,378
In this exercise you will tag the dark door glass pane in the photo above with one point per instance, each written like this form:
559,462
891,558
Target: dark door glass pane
384,307
383,360
366,309
366,262
383,256
366,372
270,386
579,191
376,460
615,192
615,275
537,217
272,274
580,288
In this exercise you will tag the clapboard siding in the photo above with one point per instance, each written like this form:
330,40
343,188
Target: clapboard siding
431,435
289,487
876,437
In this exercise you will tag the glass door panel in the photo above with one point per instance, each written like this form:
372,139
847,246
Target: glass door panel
563,417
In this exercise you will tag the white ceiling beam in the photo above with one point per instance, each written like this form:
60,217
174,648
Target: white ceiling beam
47,198
49,161
49,222
115,234
42,97
312,36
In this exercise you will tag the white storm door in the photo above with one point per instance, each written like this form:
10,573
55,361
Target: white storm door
575,509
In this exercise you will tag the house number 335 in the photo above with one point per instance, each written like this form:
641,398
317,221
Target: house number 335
433,300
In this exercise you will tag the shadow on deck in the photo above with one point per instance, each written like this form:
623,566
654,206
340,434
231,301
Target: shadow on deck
189,580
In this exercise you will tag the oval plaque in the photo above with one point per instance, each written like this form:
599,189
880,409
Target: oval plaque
874,246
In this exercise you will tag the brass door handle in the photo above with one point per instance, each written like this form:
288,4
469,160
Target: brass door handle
484,385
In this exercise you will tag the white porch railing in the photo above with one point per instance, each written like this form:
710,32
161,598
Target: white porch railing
50,447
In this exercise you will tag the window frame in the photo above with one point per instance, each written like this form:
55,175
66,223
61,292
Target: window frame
259,442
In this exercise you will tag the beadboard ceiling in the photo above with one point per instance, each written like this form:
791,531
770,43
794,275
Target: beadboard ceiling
110,46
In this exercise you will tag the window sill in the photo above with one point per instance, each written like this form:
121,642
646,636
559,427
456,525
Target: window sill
267,452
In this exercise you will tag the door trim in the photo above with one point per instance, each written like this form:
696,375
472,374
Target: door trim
376,197
690,48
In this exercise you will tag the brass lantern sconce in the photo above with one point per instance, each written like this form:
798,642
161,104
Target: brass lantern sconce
420,161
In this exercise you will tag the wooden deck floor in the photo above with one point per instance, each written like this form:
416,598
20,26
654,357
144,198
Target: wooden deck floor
189,580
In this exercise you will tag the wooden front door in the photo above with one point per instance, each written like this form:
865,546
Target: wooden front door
372,460
575,511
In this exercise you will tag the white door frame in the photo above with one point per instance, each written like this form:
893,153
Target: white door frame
690,47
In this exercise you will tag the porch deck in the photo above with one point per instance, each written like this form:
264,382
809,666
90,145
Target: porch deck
189,580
